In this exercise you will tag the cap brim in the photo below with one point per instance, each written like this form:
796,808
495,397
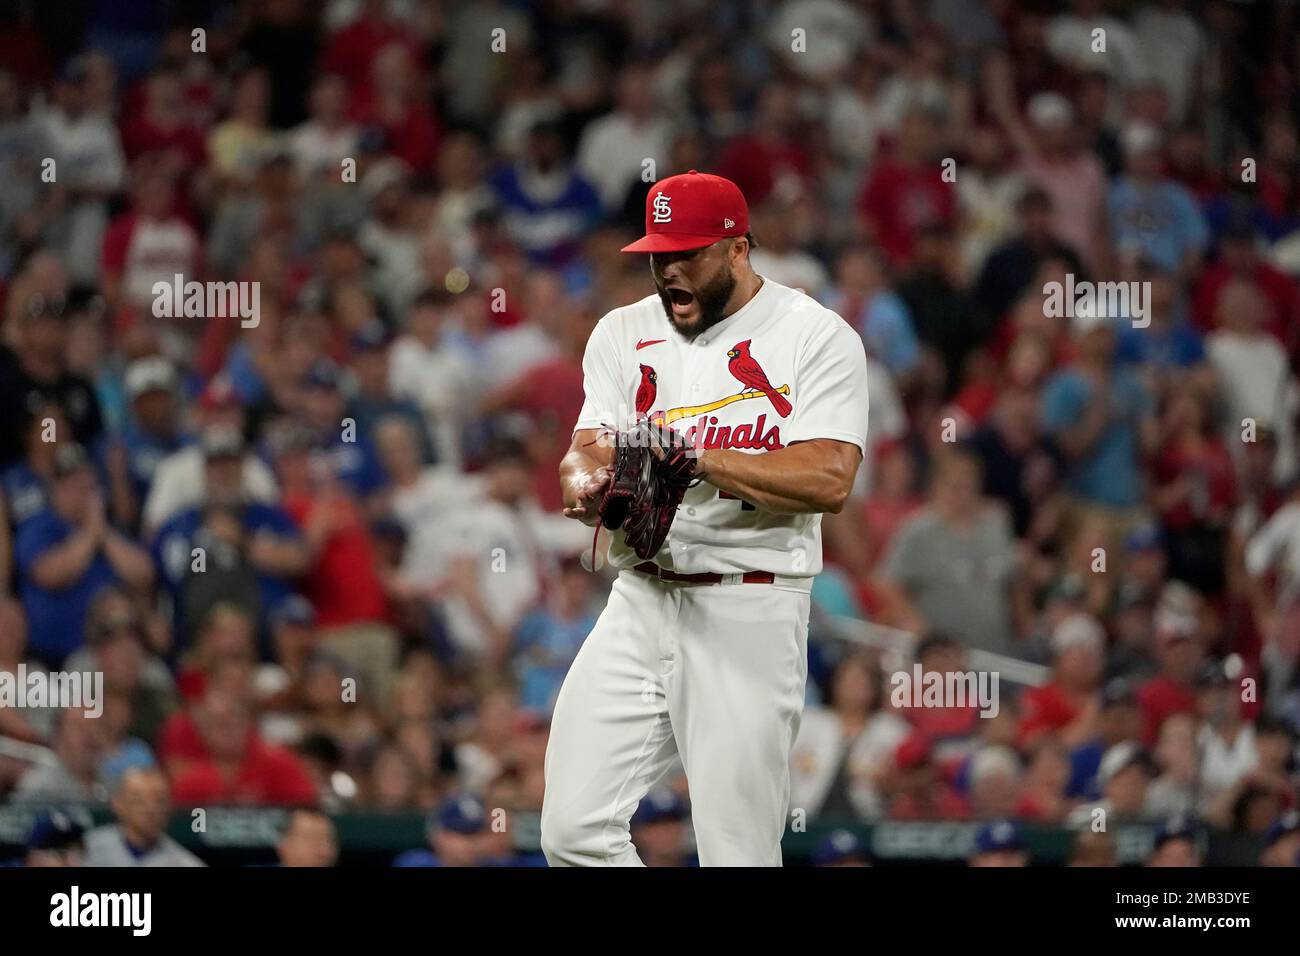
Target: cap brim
670,242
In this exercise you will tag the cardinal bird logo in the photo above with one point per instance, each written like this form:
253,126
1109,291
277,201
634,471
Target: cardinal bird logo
748,372
646,391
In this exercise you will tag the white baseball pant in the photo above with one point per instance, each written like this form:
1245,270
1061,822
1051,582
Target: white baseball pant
713,673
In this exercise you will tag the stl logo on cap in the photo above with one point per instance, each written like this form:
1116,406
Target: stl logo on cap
704,208
662,212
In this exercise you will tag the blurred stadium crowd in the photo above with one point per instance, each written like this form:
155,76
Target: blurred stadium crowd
368,473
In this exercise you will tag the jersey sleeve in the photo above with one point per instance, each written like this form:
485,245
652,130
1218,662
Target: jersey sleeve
831,377
601,379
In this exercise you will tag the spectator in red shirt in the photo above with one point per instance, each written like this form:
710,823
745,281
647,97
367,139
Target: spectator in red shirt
148,243
952,729
773,156
352,51
1044,788
1069,704
918,788
343,581
162,126
393,104
906,192
1178,652
234,765
1239,258
550,394
1194,492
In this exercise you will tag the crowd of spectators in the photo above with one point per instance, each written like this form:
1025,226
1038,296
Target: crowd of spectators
318,554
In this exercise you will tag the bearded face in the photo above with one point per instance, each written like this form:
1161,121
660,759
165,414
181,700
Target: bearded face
694,286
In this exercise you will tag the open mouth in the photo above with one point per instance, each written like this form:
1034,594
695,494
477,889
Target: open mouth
682,301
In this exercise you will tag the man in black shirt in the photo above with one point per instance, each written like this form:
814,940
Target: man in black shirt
944,316
1012,265
1022,466
36,373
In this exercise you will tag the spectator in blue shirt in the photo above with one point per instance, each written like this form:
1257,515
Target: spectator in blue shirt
1170,344
151,434
343,448
863,297
251,551
1152,217
67,553
548,638
547,207
25,482
1101,417
373,400
457,831
54,840
659,829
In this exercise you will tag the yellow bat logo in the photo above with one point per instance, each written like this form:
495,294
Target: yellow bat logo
690,411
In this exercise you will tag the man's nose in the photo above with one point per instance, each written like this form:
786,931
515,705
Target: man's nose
664,261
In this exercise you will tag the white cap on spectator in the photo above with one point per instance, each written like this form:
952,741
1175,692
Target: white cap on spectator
1049,110
149,374
1141,137
1177,611
1120,757
385,173
994,761
1175,622
1078,630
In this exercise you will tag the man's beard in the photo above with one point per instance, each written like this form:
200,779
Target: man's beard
711,299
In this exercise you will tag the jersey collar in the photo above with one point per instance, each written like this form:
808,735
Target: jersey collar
731,322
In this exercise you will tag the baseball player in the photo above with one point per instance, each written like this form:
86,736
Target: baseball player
701,652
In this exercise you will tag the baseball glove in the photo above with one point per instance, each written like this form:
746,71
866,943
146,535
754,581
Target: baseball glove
652,468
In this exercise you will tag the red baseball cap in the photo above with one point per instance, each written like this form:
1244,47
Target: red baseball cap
690,211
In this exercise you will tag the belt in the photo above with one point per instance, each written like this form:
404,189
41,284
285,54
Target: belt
703,577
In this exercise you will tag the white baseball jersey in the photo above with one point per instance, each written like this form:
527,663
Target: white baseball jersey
781,369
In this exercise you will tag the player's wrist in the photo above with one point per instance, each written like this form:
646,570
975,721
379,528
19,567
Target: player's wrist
703,461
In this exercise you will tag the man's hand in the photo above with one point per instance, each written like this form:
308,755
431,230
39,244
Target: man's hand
587,494
585,473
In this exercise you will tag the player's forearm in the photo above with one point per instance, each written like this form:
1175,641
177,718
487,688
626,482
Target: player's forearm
586,456
808,478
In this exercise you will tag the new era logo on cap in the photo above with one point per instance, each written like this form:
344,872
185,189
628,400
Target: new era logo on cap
683,212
